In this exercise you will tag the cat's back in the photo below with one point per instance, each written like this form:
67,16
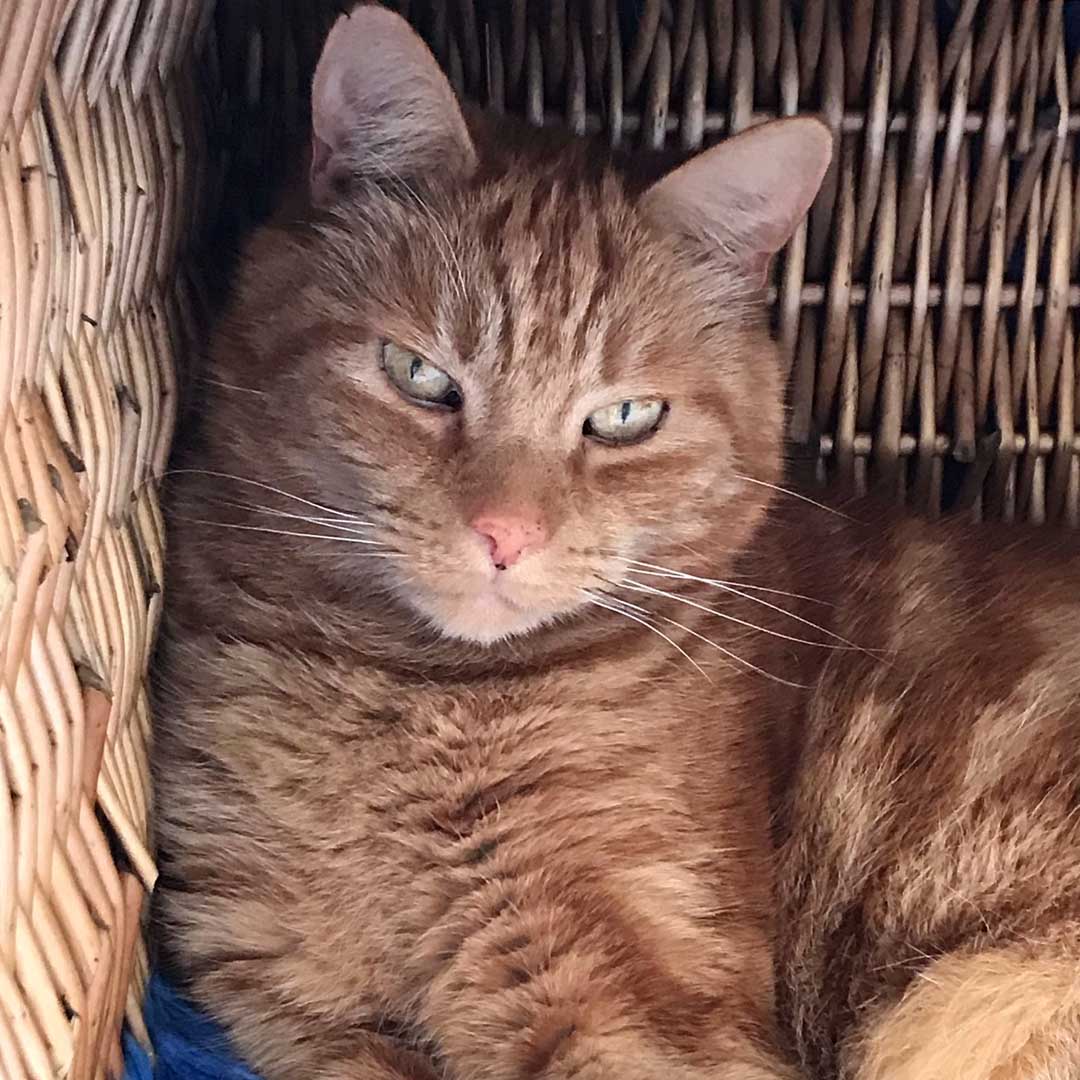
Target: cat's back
937,804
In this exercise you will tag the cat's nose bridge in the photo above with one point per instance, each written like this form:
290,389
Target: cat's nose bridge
514,496
534,399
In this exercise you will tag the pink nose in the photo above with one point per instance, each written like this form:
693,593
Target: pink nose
509,536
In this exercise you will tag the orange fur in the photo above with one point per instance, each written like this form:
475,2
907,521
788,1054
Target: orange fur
930,882
1001,1014
422,818
418,816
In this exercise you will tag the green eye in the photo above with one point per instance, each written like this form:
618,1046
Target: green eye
626,421
418,380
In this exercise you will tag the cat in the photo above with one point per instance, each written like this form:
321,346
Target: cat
435,796
499,663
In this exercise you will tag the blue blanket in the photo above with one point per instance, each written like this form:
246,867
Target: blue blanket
187,1045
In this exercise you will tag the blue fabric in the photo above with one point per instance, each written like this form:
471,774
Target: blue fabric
187,1045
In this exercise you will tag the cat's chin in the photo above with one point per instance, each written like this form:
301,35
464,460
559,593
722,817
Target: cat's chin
483,618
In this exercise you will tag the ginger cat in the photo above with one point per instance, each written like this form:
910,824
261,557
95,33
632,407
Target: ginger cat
487,684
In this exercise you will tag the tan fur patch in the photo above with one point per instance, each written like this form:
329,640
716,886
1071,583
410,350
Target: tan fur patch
1005,1014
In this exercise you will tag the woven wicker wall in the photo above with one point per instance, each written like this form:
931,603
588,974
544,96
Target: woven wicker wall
98,188
928,310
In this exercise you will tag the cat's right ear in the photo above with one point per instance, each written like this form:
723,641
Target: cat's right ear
745,197
381,107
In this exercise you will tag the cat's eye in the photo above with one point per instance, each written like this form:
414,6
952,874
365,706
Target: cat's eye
625,422
419,380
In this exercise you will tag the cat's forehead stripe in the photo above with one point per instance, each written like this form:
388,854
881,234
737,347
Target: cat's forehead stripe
548,252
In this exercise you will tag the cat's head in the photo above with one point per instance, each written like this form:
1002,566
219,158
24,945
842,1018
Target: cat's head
516,366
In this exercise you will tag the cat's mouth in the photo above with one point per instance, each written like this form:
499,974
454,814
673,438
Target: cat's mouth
489,615
488,611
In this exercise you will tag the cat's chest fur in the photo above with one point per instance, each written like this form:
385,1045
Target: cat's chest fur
357,754
402,823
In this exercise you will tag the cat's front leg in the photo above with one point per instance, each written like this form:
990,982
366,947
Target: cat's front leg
577,1015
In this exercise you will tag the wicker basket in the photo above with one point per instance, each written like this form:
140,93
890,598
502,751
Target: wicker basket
927,309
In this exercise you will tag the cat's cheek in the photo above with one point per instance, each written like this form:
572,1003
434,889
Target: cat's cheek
721,488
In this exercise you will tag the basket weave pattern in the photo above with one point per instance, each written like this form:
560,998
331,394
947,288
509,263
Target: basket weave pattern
97,192
928,310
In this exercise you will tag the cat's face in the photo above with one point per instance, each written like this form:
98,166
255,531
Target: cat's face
526,375
527,387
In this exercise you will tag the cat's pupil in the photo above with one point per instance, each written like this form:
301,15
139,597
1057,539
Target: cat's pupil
415,366
624,411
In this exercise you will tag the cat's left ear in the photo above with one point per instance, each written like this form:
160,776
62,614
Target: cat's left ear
746,196
381,107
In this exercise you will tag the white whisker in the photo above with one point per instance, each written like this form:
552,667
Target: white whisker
593,599
438,230
666,571
326,522
794,495
637,587
734,656
799,619
619,600
284,532
230,386
265,487
726,586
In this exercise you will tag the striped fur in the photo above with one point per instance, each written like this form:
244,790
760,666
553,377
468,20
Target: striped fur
406,832
930,884
391,851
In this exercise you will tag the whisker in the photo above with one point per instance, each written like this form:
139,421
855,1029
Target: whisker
725,583
593,599
636,587
735,656
438,230
794,495
727,587
719,648
286,532
626,604
230,386
265,487
618,599
732,656
806,622
326,522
